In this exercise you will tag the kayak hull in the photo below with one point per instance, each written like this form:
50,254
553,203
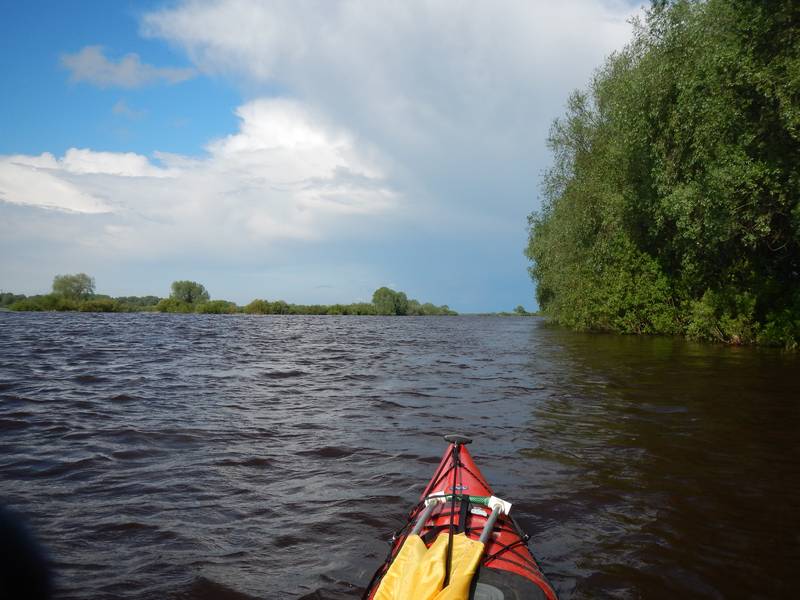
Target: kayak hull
507,570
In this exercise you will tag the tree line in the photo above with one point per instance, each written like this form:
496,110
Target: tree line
76,292
673,202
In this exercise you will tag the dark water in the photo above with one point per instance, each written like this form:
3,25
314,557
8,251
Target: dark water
199,457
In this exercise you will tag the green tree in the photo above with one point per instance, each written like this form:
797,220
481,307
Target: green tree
7,298
361,308
258,307
280,307
138,302
390,302
190,292
173,305
101,305
74,287
673,202
218,307
46,302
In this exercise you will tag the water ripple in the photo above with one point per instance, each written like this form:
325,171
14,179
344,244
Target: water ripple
192,457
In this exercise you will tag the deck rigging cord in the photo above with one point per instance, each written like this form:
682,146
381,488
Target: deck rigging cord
449,559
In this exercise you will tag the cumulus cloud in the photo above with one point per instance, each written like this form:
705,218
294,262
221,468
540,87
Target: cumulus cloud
24,181
50,182
90,65
285,175
461,94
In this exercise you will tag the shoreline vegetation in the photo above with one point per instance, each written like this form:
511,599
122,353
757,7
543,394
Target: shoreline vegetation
75,293
673,202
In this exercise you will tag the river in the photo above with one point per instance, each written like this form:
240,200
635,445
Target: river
193,457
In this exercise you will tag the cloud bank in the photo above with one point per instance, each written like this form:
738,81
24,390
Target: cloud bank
454,91
458,95
284,175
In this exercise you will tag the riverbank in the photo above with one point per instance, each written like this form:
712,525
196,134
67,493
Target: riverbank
672,204
108,304
75,293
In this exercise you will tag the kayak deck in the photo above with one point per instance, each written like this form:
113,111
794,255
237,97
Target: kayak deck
458,499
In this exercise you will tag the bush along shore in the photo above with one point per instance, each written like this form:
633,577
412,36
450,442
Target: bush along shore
673,203
76,293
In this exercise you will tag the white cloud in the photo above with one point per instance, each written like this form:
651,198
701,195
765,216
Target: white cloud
49,182
460,95
24,181
427,63
90,65
286,175
123,164
418,125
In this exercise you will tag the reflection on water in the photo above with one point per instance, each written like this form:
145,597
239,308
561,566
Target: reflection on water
194,457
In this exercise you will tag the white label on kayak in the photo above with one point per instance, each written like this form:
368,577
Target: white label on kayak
478,511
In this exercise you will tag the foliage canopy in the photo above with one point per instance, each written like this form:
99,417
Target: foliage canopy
74,287
390,302
192,297
673,202
190,292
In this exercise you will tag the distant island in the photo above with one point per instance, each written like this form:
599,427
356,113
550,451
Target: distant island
77,293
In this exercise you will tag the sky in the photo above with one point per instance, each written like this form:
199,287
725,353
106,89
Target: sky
310,151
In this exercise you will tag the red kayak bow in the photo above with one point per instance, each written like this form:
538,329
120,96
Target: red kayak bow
458,500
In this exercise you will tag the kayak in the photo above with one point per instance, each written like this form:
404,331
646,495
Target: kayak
459,543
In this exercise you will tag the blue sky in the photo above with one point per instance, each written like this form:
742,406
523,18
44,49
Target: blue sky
43,111
310,151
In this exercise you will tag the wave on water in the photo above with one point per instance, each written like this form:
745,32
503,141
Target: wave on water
192,457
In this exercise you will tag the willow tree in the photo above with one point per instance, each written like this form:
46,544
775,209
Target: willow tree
190,292
672,205
389,302
79,286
